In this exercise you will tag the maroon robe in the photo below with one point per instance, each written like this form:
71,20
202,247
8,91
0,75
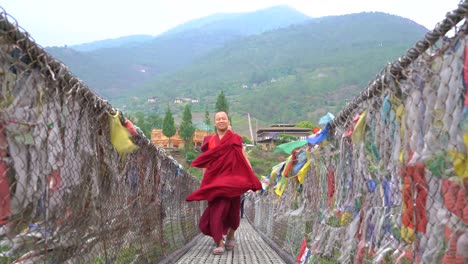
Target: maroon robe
227,176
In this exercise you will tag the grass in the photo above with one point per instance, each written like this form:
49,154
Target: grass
262,161
4,249
126,255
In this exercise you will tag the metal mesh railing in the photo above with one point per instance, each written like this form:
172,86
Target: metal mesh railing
66,194
390,184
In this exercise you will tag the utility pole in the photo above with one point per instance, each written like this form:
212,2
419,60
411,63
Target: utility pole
250,127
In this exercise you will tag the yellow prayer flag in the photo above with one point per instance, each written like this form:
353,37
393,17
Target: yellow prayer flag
359,129
120,136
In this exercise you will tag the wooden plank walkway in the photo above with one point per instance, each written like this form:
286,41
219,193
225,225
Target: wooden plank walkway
250,249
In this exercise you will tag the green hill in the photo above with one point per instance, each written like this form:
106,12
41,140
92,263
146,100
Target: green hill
292,74
123,64
286,75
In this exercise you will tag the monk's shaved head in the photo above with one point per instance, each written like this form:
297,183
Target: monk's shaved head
221,121
220,113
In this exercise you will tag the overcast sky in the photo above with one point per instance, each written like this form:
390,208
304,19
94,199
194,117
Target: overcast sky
60,22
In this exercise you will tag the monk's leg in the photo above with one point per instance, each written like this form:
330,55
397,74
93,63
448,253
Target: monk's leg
233,219
234,216
213,219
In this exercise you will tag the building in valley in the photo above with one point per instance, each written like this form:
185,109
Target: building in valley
176,142
267,136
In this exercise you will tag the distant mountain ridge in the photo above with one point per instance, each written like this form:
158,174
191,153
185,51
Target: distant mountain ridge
292,73
200,22
111,43
295,73
115,68
246,23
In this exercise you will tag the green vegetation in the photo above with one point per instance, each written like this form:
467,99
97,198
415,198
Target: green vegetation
246,140
146,122
222,103
294,74
280,76
114,66
127,255
262,161
283,138
190,156
196,172
306,124
169,128
207,120
187,129
6,259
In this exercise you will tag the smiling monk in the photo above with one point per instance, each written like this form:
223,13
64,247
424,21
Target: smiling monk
227,175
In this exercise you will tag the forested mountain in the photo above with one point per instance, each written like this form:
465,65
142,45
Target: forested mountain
296,73
110,43
246,23
282,75
121,66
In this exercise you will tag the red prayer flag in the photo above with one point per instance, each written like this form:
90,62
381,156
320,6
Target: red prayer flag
303,247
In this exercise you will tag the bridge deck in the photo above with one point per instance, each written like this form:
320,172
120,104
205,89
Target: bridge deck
250,248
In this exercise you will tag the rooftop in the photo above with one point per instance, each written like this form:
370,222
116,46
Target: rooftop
295,129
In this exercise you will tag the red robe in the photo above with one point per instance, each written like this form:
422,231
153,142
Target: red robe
227,174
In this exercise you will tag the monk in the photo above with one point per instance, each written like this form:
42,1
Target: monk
227,175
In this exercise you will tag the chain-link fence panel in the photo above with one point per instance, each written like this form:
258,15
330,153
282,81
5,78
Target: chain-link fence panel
390,183
78,182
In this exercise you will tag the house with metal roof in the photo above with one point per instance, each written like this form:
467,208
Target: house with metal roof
267,135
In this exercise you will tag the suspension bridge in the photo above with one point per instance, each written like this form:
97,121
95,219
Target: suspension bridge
384,182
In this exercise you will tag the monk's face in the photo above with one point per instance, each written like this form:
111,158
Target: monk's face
222,121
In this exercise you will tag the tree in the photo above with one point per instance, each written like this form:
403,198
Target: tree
154,121
222,104
187,129
306,124
246,140
169,129
283,138
146,122
207,120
